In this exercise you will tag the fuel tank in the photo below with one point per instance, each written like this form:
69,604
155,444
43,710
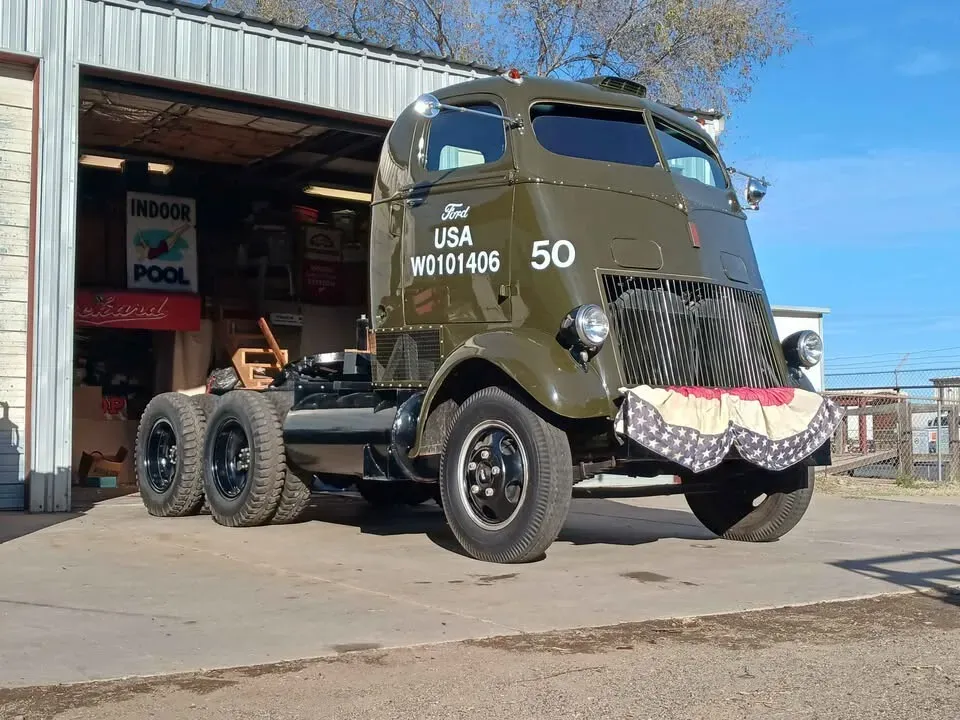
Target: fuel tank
352,432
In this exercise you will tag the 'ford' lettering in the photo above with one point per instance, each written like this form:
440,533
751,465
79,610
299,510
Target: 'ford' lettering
157,274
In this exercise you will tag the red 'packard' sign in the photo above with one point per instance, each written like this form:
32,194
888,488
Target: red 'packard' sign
138,310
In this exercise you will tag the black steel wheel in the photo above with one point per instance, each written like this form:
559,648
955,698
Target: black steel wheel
494,475
506,478
760,506
244,462
168,456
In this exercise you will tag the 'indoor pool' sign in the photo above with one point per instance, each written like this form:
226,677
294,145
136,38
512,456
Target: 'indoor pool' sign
161,243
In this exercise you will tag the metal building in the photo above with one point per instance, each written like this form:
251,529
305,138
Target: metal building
46,46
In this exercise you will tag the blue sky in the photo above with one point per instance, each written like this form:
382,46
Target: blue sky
857,130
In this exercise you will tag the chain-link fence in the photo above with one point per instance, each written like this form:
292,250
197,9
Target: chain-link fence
900,425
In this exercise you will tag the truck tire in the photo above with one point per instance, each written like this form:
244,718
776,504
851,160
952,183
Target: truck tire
506,478
736,514
297,490
244,462
387,494
168,456
206,402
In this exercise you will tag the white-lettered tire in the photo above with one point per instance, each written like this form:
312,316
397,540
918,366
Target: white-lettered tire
760,507
244,461
168,456
506,478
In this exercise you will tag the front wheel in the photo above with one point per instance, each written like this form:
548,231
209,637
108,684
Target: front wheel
761,506
506,478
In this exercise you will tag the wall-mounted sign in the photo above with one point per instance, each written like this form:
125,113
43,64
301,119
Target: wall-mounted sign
161,243
138,311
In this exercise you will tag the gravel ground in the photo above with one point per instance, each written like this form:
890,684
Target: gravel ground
888,657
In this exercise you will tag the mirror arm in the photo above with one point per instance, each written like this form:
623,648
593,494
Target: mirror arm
512,123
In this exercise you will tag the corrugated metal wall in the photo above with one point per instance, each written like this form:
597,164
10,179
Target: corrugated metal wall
175,42
20,26
51,421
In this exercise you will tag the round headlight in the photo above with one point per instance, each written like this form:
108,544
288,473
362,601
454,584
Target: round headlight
592,325
804,348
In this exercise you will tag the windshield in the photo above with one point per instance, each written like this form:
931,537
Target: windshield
615,136
689,155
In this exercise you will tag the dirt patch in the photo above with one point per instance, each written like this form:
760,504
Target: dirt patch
866,488
823,623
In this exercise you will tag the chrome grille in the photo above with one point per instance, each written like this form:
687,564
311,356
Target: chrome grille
680,332
411,356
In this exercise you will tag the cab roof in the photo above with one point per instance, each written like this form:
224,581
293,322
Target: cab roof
589,91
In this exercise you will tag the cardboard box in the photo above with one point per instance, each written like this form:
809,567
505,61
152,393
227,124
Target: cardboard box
105,437
87,402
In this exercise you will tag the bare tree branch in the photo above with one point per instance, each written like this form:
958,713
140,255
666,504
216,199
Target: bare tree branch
704,52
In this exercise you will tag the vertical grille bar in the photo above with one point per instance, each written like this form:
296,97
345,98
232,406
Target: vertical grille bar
682,332
407,357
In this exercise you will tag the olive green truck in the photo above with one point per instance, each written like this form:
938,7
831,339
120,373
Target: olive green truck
562,285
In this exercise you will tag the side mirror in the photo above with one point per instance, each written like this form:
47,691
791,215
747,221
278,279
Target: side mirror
427,105
755,191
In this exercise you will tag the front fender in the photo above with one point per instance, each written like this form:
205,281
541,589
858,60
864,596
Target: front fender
536,363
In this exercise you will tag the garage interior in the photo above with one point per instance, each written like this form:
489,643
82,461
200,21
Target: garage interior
269,218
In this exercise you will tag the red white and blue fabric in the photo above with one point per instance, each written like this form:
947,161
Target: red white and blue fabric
696,427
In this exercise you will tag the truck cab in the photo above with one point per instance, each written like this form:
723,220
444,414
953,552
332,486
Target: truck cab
562,283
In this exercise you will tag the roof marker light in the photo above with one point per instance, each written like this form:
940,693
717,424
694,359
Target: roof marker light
514,75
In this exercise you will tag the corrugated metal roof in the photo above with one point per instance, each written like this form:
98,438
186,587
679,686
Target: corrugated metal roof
273,22
183,41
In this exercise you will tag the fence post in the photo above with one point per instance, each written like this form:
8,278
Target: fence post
953,433
905,438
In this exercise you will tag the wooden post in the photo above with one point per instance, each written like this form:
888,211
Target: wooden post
905,438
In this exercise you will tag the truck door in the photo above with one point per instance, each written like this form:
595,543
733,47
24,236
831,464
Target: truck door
458,218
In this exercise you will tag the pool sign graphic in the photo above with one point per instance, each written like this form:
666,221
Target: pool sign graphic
161,243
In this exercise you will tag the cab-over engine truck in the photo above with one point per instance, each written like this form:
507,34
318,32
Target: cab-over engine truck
562,284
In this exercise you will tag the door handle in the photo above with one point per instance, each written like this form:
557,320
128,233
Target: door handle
413,201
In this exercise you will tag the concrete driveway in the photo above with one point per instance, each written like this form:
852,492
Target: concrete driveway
113,593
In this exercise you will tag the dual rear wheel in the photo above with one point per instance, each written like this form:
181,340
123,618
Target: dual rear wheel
226,450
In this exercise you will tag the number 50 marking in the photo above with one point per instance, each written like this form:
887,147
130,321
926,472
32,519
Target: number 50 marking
561,254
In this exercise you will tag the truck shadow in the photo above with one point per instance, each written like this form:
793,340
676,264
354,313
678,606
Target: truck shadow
590,522
936,572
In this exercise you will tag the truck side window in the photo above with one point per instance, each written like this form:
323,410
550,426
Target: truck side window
689,156
592,133
459,139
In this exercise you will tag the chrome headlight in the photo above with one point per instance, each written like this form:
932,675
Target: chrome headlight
592,325
586,325
803,348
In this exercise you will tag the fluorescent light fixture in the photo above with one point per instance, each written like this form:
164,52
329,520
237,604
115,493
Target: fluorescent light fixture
99,161
159,168
337,193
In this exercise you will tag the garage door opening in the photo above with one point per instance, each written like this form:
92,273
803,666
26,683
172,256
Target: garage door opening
197,217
